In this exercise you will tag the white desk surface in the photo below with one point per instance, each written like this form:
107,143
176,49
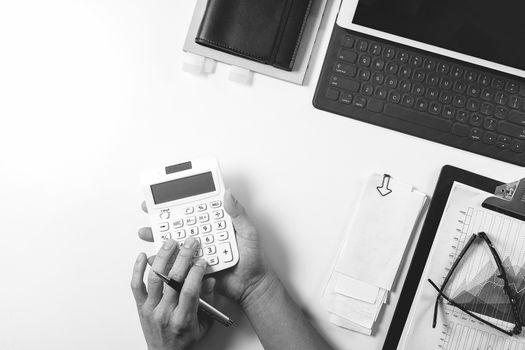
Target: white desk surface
92,94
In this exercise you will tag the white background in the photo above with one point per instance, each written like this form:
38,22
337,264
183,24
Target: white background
92,95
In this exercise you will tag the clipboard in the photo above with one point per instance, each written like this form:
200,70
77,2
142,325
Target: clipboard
447,177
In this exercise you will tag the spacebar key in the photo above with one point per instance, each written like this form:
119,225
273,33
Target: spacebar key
422,119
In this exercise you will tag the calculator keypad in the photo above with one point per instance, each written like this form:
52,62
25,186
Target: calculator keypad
205,222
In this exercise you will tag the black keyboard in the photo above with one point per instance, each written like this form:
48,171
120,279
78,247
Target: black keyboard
424,94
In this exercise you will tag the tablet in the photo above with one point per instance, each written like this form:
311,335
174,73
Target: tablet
481,32
448,176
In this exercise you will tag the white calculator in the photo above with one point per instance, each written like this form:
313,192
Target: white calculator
186,200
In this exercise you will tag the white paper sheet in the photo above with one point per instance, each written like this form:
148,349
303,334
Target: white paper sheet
356,289
456,330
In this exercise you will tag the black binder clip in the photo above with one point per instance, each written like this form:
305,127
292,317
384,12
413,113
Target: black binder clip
509,200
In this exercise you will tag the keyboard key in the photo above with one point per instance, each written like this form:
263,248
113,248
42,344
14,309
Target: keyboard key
394,96
360,101
421,104
345,69
459,101
347,41
213,260
346,97
462,116
332,94
405,85
515,102
484,79
443,68
378,64
375,106
418,89
391,82
192,220
194,231
433,79
403,56
517,117
391,68
490,124
205,228
225,252
204,217
460,87
180,234
475,119
504,139
460,130
487,94
364,75
445,83
476,134
501,112
416,61
407,100
473,91
457,72
208,239
367,89
512,87
419,75
345,84
487,108
202,207
512,130
197,253
189,210
365,60
222,236
517,146
449,112
430,64
405,72
418,118
473,105
215,204
378,78
210,249
179,223
471,76
381,93
490,138
498,84
362,45
501,98
435,108
445,97
347,56
375,49
164,226
503,145
389,53
219,225
432,93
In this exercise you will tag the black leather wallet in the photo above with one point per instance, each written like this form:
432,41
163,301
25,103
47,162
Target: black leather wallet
266,31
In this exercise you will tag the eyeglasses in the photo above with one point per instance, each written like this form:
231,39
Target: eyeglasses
518,324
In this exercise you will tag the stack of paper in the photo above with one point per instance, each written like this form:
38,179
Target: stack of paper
375,243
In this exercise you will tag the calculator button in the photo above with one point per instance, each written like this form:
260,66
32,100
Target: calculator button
165,236
190,220
212,260
205,217
222,236
164,214
197,253
164,226
215,204
194,231
198,239
211,249
188,210
205,228
178,223
225,252
201,207
219,225
180,234
218,214
208,239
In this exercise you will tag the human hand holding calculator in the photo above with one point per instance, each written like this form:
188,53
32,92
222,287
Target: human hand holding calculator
186,200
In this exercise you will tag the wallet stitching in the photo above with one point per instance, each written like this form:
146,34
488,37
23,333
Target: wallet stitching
225,46
282,26
299,39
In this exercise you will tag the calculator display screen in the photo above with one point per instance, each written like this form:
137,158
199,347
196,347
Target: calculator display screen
182,188
486,29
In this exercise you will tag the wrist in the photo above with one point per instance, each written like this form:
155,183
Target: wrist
260,291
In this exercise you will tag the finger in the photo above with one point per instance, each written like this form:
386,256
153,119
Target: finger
155,284
137,280
208,288
146,234
180,269
144,207
151,259
190,293
243,225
